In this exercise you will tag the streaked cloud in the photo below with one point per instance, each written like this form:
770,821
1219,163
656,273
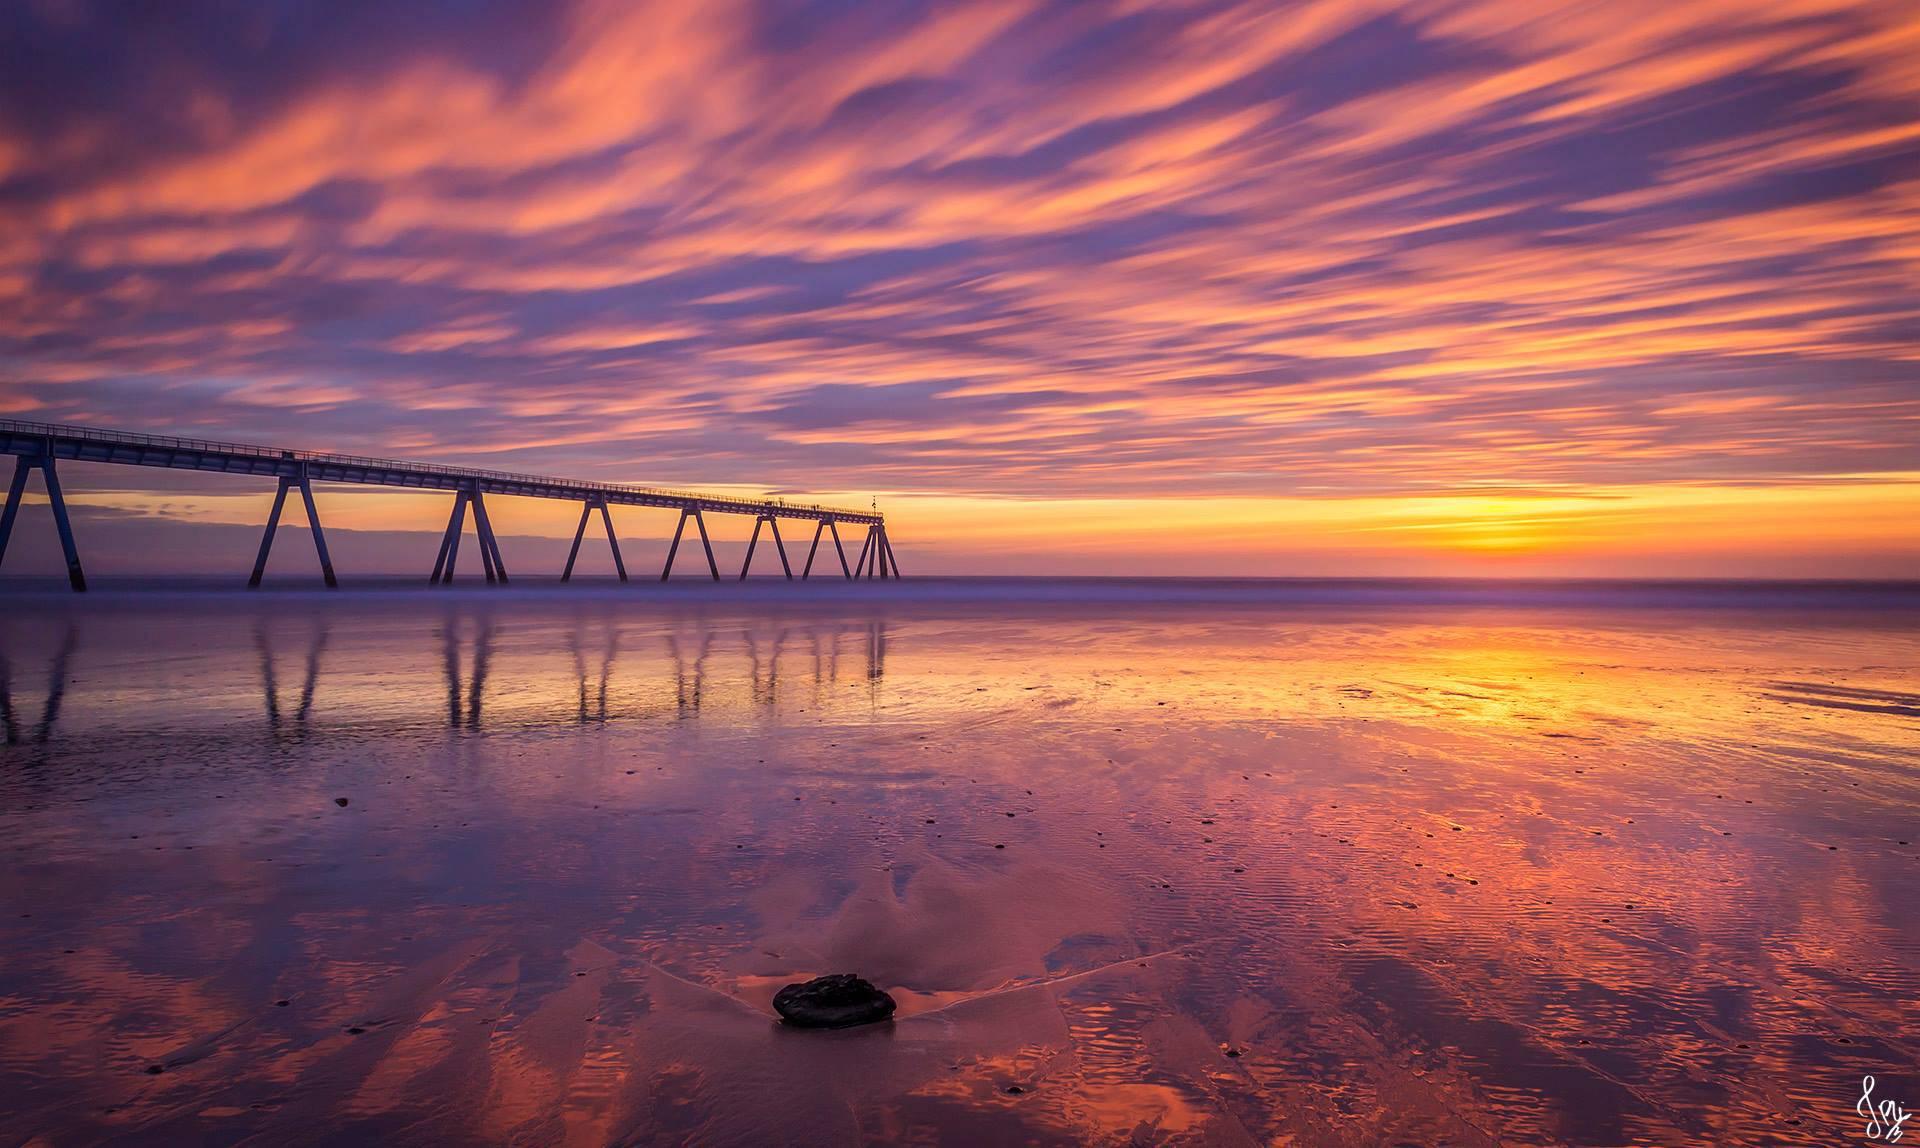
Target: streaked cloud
998,250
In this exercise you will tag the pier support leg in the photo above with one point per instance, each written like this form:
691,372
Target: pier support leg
613,543
701,522
833,528
319,535
456,525
266,540
486,552
287,483
484,537
674,547
75,577
484,523
446,543
499,559
888,543
579,532
779,547
818,529
751,543
16,490
866,551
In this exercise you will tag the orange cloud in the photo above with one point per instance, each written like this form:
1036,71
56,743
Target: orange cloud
1022,248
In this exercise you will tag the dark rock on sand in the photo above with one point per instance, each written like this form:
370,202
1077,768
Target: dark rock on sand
839,1000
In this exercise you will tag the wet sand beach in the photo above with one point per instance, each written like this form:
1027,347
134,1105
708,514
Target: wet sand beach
1228,865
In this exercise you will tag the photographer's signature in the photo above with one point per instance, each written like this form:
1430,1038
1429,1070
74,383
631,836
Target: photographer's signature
1884,1117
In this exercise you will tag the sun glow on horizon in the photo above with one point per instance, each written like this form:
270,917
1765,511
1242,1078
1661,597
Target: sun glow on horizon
1847,528
1489,285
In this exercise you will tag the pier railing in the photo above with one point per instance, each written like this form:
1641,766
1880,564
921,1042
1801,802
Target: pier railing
38,446
15,427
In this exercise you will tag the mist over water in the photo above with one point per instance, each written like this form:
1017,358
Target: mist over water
1342,862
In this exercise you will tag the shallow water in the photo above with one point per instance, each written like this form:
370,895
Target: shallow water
1236,865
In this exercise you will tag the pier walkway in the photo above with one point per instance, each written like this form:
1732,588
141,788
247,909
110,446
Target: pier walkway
39,446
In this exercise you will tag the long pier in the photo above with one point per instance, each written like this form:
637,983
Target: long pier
39,446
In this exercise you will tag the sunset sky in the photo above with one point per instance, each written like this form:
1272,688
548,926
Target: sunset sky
1477,287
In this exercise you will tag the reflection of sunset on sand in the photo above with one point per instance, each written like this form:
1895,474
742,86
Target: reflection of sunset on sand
1266,873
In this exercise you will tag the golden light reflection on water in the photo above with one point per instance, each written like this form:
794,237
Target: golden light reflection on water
1228,874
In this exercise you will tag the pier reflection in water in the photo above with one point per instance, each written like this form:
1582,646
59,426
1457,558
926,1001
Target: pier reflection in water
533,867
15,725
315,643
576,668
